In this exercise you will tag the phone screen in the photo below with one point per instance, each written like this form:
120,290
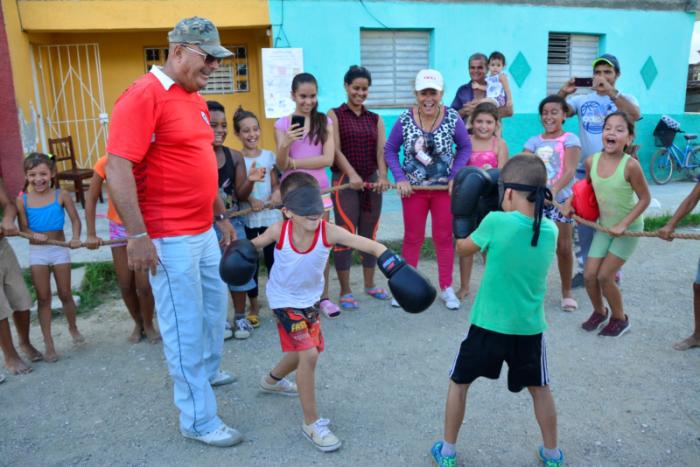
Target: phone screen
583,82
298,120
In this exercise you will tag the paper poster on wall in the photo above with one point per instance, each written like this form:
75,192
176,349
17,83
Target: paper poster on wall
279,67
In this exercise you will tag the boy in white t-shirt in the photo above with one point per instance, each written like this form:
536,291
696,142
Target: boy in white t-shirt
295,286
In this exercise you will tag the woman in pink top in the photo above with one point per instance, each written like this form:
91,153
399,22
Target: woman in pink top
308,148
489,151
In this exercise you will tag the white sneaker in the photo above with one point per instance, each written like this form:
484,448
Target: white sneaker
222,437
283,387
394,303
242,328
321,436
222,378
448,296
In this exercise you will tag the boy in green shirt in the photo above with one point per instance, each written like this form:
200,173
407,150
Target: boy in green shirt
508,313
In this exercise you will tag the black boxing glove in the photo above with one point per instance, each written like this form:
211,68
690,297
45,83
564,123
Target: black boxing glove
238,263
468,186
410,288
490,200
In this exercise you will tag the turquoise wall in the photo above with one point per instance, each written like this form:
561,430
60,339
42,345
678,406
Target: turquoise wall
329,33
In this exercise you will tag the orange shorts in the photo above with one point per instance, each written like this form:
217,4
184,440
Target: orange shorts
299,329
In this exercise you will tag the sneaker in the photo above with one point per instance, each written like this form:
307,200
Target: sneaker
440,460
451,301
222,437
577,281
595,320
242,329
321,436
550,462
228,332
394,303
283,387
616,327
222,378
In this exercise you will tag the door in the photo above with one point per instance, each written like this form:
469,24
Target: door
68,87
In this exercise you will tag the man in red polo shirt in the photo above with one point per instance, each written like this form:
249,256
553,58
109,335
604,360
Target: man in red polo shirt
163,179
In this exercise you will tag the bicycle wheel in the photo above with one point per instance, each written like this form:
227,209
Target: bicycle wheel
694,163
661,166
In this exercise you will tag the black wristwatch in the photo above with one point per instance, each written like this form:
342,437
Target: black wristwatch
219,217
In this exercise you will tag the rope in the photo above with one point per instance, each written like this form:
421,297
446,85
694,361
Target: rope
116,241
626,233
269,205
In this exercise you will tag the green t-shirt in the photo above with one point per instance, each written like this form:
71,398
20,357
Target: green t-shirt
511,295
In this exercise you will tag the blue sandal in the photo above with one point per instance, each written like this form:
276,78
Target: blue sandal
378,293
348,302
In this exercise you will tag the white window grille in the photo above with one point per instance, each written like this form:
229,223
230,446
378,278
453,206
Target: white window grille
230,77
570,55
394,58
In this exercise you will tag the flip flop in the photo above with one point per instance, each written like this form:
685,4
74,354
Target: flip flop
378,293
348,302
254,320
329,308
568,304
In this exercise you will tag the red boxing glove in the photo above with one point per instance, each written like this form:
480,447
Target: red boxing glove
584,202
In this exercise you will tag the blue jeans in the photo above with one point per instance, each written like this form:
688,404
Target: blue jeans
191,303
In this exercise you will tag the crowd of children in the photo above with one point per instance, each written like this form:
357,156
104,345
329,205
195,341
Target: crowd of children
256,177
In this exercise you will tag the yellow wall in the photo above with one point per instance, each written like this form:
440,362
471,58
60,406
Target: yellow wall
122,56
122,15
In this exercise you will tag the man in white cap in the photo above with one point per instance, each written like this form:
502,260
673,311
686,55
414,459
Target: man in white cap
162,175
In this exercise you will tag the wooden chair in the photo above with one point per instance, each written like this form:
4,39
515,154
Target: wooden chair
62,150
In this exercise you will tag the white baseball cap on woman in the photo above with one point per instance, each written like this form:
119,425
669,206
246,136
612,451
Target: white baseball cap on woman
429,79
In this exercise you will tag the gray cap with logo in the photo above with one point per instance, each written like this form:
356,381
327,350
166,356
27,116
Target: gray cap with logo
201,32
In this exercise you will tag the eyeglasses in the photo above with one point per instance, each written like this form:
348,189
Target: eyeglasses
208,59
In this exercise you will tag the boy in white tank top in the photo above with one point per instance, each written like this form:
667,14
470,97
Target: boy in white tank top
295,286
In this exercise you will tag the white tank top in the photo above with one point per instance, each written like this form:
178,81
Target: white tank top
296,278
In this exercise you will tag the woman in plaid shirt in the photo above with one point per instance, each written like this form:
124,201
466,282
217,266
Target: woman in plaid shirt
359,160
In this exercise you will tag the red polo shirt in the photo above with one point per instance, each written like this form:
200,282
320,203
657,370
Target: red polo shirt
164,130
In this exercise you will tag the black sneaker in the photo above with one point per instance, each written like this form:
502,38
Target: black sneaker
577,281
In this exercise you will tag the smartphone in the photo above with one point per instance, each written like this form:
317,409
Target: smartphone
583,82
299,120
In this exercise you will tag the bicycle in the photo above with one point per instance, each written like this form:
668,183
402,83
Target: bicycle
671,156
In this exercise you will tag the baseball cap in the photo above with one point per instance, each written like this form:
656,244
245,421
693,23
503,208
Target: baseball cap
429,79
608,59
201,32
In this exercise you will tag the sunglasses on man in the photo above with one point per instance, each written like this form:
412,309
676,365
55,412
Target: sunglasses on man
208,59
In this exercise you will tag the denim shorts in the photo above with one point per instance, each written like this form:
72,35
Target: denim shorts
239,227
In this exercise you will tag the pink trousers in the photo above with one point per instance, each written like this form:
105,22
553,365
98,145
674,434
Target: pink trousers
415,212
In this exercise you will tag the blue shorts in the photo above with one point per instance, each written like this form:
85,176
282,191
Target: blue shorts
239,227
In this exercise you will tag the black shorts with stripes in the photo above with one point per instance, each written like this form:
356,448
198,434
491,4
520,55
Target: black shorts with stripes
483,352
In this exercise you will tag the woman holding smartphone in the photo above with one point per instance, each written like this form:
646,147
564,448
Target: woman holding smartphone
359,160
305,144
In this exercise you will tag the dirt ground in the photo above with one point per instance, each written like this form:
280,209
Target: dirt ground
382,381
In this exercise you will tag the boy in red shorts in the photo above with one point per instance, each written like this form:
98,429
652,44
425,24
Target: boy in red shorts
507,327
295,286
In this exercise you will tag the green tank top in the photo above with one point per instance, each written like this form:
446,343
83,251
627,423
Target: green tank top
615,195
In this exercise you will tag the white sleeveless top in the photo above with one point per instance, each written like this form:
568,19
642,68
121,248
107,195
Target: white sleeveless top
296,279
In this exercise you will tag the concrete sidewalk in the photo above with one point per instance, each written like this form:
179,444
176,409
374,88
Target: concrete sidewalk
665,199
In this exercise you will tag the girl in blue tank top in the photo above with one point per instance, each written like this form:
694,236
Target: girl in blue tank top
41,209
